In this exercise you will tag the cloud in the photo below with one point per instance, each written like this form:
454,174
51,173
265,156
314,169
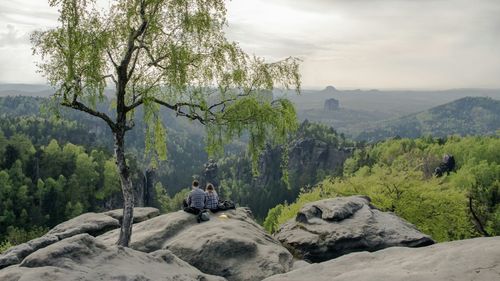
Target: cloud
379,43
29,13
13,37
347,43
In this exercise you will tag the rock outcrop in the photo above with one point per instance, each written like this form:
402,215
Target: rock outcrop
233,246
475,259
83,258
210,174
331,104
16,254
89,223
329,228
140,214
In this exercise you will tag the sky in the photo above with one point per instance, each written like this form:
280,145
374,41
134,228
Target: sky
383,44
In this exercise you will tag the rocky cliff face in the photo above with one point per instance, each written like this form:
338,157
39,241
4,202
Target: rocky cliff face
309,161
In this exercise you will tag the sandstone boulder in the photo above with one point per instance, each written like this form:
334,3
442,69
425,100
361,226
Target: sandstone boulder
140,214
91,223
475,259
330,228
16,254
231,244
83,258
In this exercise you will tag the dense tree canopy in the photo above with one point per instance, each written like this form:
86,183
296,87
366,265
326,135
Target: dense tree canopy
42,186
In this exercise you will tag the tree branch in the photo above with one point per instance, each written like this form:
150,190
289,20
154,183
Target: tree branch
177,108
82,107
111,58
477,221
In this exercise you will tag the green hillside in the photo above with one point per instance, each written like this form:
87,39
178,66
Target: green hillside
398,176
466,116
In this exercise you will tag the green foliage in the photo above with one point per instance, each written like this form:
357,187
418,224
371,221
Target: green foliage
16,236
271,221
74,130
46,185
111,180
170,204
4,246
394,174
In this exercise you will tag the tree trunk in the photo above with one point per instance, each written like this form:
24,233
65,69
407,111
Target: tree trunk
127,190
477,222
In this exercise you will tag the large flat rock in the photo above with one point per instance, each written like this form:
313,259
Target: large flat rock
83,258
91,223
329,228
233,246
17,253
140,214
475,259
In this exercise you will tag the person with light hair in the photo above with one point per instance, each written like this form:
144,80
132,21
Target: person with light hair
212,202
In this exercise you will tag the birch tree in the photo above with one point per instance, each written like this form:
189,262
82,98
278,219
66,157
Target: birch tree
169,54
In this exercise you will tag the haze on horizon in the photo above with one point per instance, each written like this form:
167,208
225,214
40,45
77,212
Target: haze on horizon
405,44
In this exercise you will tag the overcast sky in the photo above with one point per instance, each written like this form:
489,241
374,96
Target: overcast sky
427,44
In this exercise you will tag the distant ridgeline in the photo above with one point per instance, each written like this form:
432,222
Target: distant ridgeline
466,116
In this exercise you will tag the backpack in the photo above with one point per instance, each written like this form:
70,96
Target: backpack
226,205
203,216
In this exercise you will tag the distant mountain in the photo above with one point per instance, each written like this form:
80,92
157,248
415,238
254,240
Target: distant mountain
397,103
25,90
24,87
466,116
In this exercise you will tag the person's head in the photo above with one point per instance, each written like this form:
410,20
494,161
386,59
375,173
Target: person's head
196,184
210,187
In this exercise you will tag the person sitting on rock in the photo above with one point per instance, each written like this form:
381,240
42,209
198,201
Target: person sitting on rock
196,200
212,198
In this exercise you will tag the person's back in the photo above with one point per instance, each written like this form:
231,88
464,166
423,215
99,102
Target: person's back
212,198
197,199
